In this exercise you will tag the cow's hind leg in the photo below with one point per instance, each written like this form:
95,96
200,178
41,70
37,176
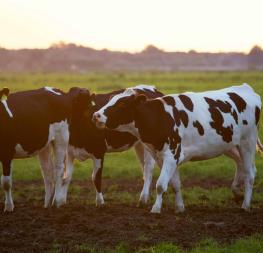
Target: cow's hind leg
176,184
147,163
96,178
6,181
68,171
239,175
247,151
47,169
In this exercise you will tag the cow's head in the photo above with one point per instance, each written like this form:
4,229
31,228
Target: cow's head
119,110
4,93
81,100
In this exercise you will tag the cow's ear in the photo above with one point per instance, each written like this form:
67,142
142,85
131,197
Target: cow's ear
140,99
92,99
76,92
4,93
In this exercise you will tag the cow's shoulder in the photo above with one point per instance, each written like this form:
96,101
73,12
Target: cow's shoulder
149,91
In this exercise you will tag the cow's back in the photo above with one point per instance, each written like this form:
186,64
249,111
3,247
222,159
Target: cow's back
218,120
32,114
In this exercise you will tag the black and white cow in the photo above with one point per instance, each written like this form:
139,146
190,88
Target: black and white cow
30,121
88,142
188,127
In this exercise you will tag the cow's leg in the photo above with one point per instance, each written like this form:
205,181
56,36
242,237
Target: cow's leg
239,176
247,151
168,170
47,169
60,153
6,181
96,178
67,177
176,184
147,163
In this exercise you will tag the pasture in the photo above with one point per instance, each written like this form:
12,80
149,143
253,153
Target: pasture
213,221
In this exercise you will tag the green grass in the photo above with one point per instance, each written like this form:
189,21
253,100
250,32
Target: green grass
252,244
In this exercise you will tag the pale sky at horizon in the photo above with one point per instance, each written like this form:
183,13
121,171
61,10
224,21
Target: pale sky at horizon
172,25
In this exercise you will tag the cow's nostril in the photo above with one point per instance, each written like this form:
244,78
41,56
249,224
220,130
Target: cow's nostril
98,116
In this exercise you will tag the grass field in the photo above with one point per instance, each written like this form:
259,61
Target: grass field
207,183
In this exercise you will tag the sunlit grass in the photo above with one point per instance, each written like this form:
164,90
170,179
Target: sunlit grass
252,244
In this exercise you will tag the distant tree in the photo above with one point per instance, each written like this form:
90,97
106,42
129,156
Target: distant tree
255,50
62,44
151,49
255,57
192,51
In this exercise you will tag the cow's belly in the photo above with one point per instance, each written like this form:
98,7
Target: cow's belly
206,147
23,150
204,153
80,154
111,149
21,153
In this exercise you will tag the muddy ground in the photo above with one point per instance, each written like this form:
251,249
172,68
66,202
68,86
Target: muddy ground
31,228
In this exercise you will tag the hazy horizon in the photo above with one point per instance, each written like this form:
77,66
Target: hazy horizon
122,25
131,51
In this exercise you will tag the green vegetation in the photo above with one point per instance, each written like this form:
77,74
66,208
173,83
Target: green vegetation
253,244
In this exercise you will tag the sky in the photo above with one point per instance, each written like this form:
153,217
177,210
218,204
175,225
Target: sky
131,25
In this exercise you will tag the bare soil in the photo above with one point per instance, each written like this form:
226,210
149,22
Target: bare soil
31,228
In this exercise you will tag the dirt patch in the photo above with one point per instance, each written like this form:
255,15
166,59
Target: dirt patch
31,228
136,184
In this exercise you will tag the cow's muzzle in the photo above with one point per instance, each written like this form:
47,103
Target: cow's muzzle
97,119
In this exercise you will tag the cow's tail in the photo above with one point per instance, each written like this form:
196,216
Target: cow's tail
259,146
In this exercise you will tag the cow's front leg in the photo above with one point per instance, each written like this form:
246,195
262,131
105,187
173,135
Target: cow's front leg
168,170
6,181
67,177
96,178
61,153
176,184
147,163
47,169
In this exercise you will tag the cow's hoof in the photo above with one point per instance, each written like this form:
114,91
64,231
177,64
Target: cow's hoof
180,209
99,199
9,207
60,203
48,203
144,199
246,208
100,203
156,209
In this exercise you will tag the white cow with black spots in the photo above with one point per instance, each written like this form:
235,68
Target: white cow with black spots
188,127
